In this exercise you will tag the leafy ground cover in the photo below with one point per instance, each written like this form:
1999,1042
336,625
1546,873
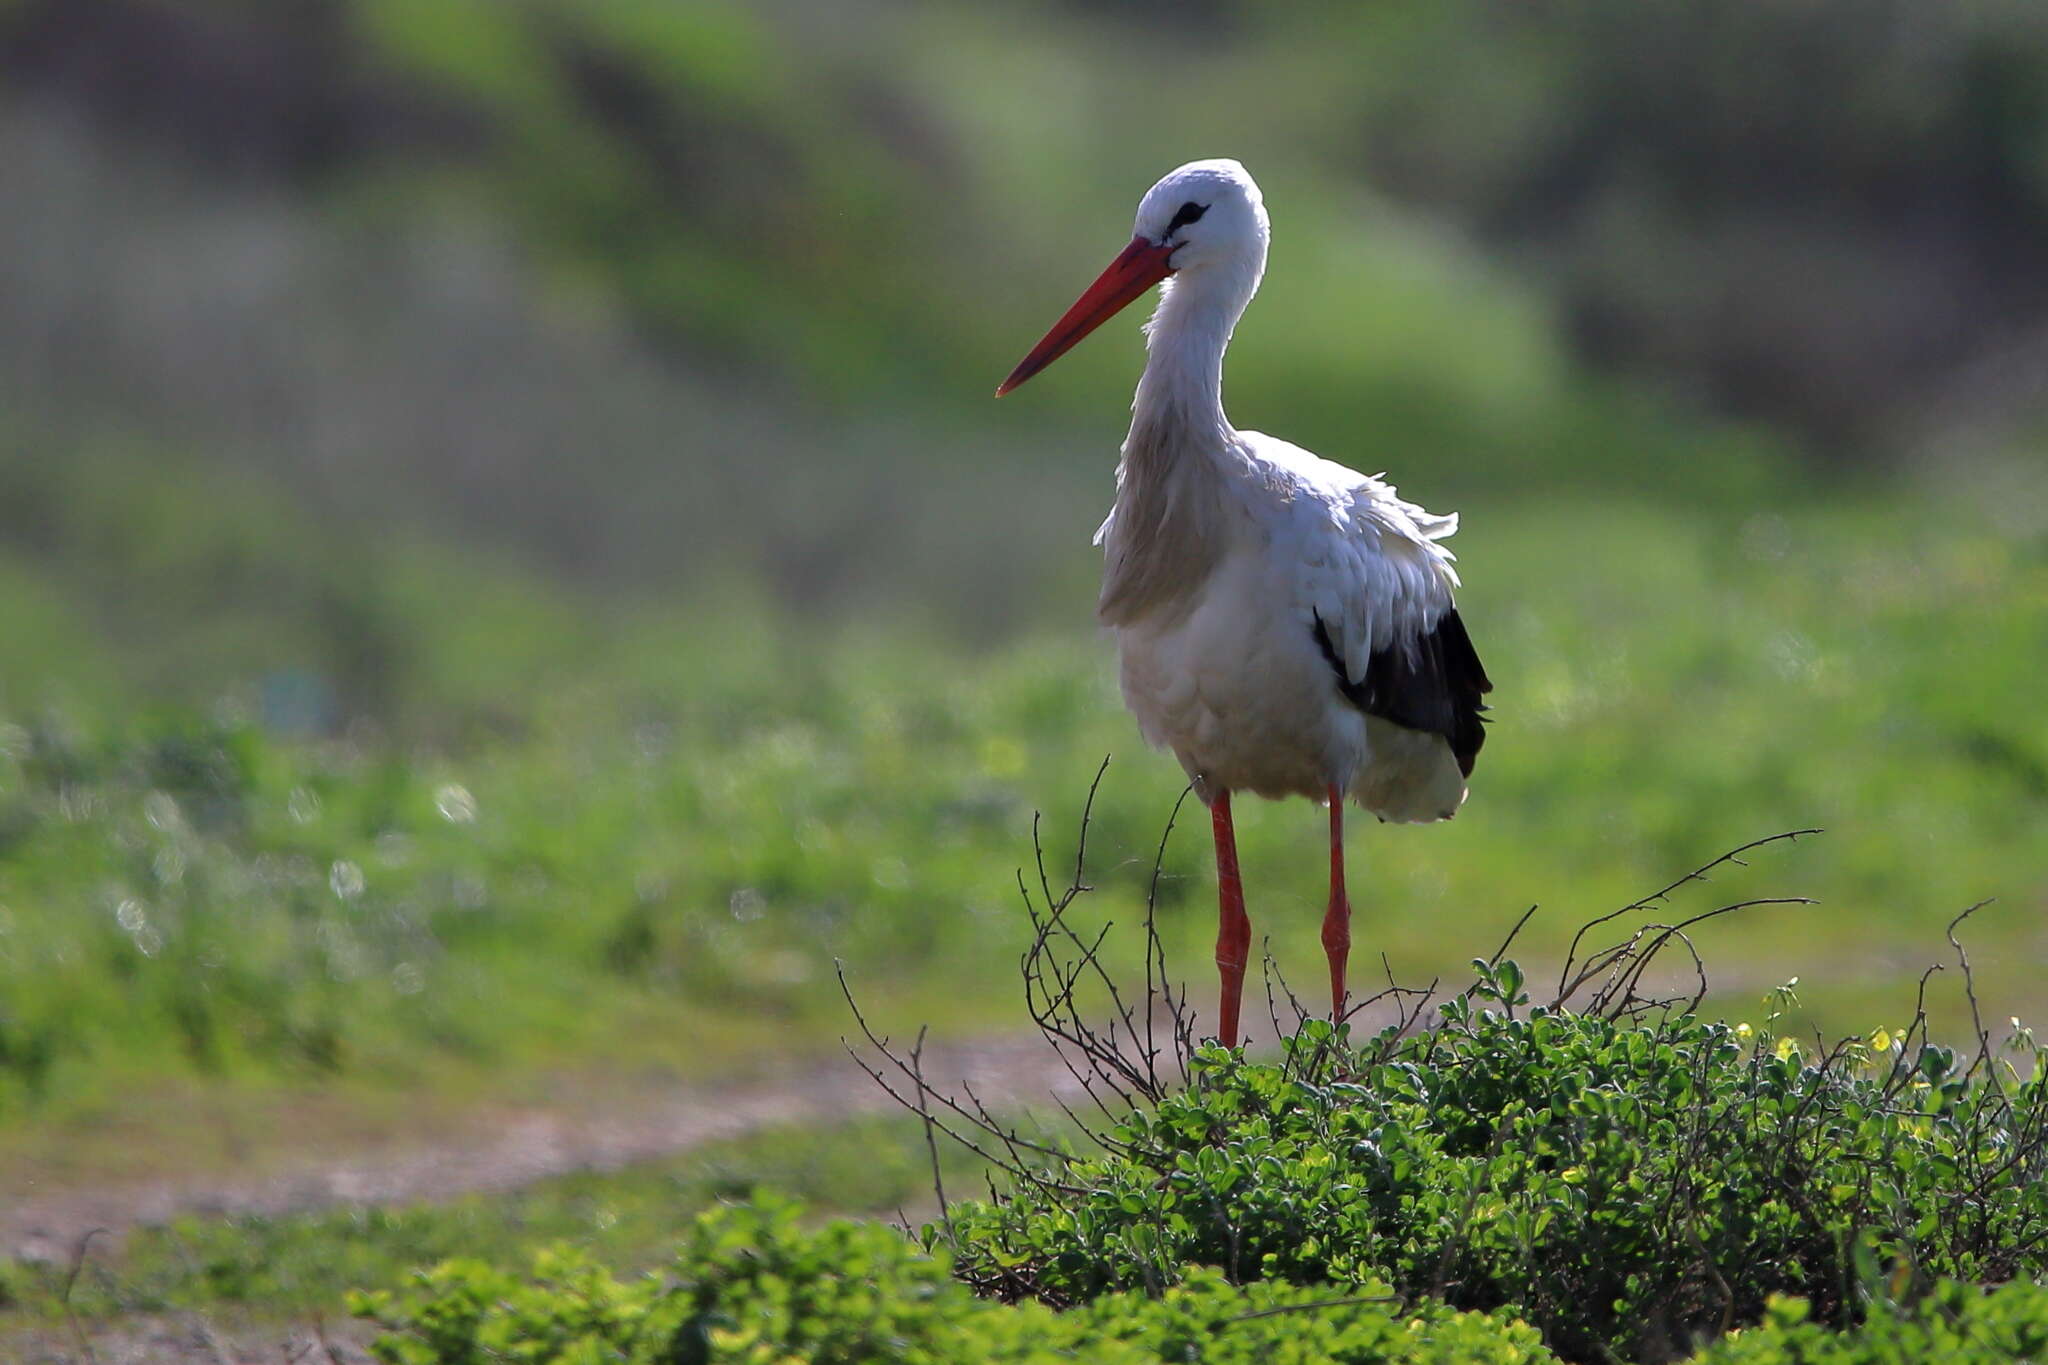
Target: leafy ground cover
1590,1176
1954,1323
1334,1204
1600,1176
750,1285
1631,1189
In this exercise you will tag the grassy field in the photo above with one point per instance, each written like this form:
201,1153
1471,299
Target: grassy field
613,840
501,625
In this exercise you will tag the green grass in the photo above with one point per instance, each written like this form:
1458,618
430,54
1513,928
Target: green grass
618,839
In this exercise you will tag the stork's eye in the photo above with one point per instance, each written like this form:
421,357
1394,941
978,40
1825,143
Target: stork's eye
1187,213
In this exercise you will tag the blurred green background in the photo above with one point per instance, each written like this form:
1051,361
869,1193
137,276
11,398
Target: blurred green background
509,567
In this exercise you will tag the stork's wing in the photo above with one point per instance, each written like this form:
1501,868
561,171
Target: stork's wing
1431,683
1380,606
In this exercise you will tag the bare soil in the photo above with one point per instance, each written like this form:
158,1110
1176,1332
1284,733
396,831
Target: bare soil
498,1150
506,1149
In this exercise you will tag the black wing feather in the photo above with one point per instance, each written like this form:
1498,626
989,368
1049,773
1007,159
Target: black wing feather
1433,683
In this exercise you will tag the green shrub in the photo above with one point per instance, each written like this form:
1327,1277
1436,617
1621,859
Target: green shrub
752,1285
1632,1188
1955,1325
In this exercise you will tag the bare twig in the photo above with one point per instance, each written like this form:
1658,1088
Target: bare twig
1633,961
1317,1306
931,1142
71,1282
1983,1058
1500,952
976,1116
1155,951
1698,874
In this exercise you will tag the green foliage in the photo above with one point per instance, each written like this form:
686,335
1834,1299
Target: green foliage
751,1284
1954,1324
1629,1188
687,158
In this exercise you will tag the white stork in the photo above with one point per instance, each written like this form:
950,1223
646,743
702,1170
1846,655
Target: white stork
1286,625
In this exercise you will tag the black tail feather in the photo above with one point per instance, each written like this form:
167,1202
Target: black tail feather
1431,683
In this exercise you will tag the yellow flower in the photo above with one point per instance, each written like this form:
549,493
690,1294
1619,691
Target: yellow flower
1787,1047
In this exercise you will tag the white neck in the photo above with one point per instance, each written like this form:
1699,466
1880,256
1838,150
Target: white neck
1181,393
1169,526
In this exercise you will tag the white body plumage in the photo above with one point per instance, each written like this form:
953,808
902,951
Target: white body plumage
1227,672
1227,549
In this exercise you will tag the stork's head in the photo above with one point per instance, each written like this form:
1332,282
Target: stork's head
1206,213
1204,218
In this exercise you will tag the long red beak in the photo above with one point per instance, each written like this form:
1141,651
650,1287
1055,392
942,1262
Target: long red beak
1142,265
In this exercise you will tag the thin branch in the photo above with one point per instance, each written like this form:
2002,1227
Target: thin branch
1317,1306
1155,951
1500,952
931,1142
1970,991
1698,874
71,1282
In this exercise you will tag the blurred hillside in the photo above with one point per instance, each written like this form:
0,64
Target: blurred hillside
658,294
1824,215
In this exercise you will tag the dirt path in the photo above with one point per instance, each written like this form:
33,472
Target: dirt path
506,1150
501,1151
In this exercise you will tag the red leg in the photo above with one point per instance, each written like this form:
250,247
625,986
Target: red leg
1337,920
1234,927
